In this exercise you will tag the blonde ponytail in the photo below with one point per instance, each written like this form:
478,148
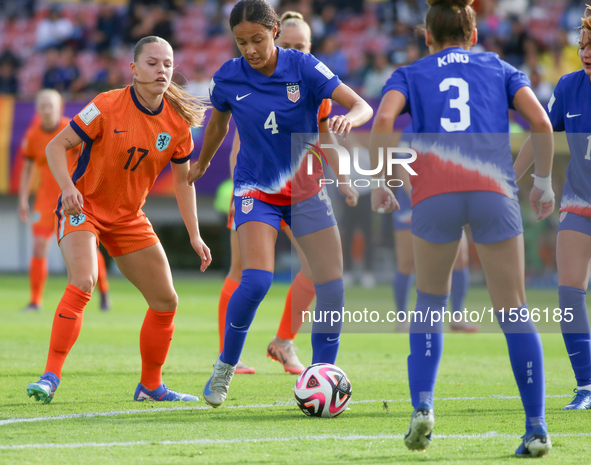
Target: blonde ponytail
192,109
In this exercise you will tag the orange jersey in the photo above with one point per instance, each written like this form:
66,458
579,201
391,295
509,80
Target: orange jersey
33,148
125,147
324,110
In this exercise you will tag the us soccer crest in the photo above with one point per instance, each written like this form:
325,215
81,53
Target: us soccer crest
247,205
162,141
293,93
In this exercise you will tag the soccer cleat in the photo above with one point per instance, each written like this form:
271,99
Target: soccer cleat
283,350
31,308
464,327
243,369
105,302
581,401
44,389
161,393
418,436
535,443
216,388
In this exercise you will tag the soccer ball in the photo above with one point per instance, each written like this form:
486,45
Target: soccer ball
322,390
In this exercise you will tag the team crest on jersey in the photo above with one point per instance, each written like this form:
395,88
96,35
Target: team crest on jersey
77,220
247,205
162,141
293,92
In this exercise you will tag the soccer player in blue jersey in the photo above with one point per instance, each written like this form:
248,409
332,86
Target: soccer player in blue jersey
273,93
459,101
569,111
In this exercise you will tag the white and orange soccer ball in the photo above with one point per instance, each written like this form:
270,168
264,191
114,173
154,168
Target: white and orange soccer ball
322,390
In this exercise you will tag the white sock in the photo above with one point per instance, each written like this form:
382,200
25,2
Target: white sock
584,388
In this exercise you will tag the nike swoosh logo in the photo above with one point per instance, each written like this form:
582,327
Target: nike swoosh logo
206,389
570,355
66,317
244,96
568,115
238,327
332,340
119,132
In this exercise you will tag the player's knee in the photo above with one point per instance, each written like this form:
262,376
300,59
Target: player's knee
85,283
256,283
406,266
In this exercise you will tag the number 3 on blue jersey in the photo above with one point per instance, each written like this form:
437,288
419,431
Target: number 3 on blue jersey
271,123
460,103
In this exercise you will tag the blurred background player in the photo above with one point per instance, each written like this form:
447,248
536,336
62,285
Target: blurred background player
569,112
295,34
405,262
128,136
467,178
46,124
273,93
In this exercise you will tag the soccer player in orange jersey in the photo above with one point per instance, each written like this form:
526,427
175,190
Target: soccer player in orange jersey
46,124
295,34
128,136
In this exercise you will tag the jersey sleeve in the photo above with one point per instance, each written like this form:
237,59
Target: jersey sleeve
89,123
216,94
184,149
556,107
514,80
321,80
399,81
325,109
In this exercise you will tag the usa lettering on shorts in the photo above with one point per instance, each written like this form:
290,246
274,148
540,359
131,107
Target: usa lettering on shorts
247,205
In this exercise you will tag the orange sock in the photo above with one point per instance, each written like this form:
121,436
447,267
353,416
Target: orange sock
155,338
103,283
227,290
38,278
299,297
66,327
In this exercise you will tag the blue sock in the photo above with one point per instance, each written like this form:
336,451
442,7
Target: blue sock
426,346
576,333
401,286
460,282
241,311
527,360
330,297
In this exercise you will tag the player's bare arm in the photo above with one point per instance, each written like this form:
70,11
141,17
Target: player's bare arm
359,110
186,199
57,160
216,130
24,189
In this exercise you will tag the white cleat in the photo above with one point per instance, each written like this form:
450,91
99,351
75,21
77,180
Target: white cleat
418,436
216,388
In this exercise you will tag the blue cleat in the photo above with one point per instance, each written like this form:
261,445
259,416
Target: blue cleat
162,393
535,443
105,302
44,389
418,436
581,401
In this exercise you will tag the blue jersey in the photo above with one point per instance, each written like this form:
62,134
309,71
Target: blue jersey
569,111
460,91
267,111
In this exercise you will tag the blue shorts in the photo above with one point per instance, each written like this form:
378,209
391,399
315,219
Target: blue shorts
492,217
402,217
574,222
305,217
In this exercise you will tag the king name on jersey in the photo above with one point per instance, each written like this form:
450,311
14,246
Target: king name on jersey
452,58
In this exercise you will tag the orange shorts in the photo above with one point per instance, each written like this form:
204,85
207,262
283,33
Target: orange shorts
43,221
118,239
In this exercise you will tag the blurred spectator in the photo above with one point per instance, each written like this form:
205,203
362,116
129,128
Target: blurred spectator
541,88
514,45
332,56
140,23
81,33
8,80
490,24
325,24
410,12
108,76
55,30
162,23
561,59
108,31
17,9
198,84
377,75
508,8
62,72
570,20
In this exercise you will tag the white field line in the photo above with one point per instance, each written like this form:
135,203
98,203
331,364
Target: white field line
114,413
489,435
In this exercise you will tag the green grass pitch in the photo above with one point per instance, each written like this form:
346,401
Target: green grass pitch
94,420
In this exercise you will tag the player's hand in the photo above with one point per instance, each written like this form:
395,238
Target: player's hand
340,125
72,201
541,209
195,172
383,200
203,252
23,210
351,194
